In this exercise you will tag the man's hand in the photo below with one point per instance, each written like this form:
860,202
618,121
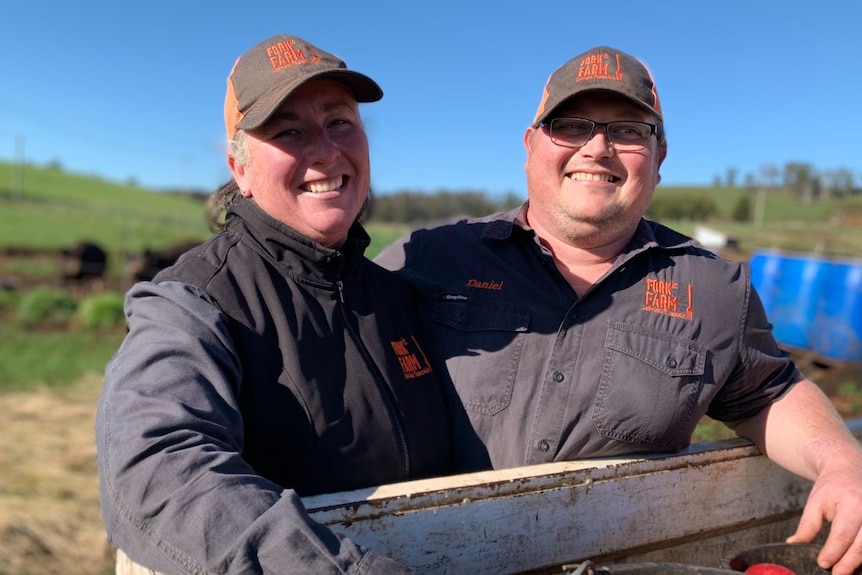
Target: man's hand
804,433
836,498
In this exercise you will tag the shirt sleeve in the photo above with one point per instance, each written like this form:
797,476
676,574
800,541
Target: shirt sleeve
176,494
392,257
763,373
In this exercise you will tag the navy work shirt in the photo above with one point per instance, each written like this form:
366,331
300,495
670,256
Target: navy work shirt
536,374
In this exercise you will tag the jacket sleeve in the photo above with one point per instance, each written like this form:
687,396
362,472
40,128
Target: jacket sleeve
175,492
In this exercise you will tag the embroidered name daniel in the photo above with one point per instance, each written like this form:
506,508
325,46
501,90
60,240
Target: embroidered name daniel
485,285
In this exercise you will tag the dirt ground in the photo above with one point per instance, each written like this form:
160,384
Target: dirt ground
49,509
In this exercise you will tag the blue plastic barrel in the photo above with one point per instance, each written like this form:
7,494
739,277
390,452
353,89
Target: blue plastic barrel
789,286
836,332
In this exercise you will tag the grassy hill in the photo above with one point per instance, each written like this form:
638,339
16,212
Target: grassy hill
54,209
830,228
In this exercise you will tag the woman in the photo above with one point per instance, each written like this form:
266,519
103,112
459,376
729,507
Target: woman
274,360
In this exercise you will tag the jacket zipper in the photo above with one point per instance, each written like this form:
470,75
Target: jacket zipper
386,393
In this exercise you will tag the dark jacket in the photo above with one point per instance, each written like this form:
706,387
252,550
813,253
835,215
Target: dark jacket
262,361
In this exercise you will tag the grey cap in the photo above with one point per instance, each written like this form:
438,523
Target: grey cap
600,68
270,71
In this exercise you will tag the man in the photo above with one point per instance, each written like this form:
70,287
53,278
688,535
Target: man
572,328
274,360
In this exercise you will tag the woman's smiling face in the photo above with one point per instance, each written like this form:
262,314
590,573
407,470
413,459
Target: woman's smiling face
308,165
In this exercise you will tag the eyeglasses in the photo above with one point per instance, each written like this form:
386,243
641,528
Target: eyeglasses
624,136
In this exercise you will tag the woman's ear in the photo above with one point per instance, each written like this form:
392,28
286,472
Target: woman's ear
239,176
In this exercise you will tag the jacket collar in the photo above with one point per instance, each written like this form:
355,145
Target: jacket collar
285,245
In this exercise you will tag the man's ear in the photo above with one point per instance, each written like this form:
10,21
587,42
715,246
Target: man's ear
528,142
528,138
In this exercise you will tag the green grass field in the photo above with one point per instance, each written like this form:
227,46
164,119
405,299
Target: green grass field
30,360
828,228
54,209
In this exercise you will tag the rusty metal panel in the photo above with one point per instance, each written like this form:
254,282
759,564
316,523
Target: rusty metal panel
512,521
691,507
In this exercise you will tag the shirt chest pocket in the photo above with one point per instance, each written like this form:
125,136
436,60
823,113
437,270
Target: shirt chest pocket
649,387
481,342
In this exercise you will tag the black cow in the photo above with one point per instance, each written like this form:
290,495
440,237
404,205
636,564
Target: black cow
83,260
146,265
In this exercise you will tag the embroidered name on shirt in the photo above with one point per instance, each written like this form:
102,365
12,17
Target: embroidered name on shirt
284,55
414,362
485,285
664,297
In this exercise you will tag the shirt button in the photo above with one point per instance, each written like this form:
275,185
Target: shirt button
544,446
558,377
671,363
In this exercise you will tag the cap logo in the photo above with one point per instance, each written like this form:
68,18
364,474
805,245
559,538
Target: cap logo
596,67
283,55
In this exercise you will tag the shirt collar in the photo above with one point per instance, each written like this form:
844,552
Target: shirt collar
500,225
649,234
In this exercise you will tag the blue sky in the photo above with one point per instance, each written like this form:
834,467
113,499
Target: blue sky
136,90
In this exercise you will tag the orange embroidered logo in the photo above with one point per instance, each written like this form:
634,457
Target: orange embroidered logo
664,297
284,55
414,362
596,67
485,285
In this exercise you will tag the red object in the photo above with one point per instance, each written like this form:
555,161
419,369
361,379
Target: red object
769,569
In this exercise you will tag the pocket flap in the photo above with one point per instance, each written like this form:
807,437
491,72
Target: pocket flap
478,314
673,355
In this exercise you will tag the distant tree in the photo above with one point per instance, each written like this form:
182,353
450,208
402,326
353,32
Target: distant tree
750,182
511,200
799,179
408,206
836,183
768,174
731,177
682,208
827,180
742,210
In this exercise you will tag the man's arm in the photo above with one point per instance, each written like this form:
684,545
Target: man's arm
804,433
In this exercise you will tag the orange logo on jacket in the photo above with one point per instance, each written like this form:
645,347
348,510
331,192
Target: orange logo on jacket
664,297
414,362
